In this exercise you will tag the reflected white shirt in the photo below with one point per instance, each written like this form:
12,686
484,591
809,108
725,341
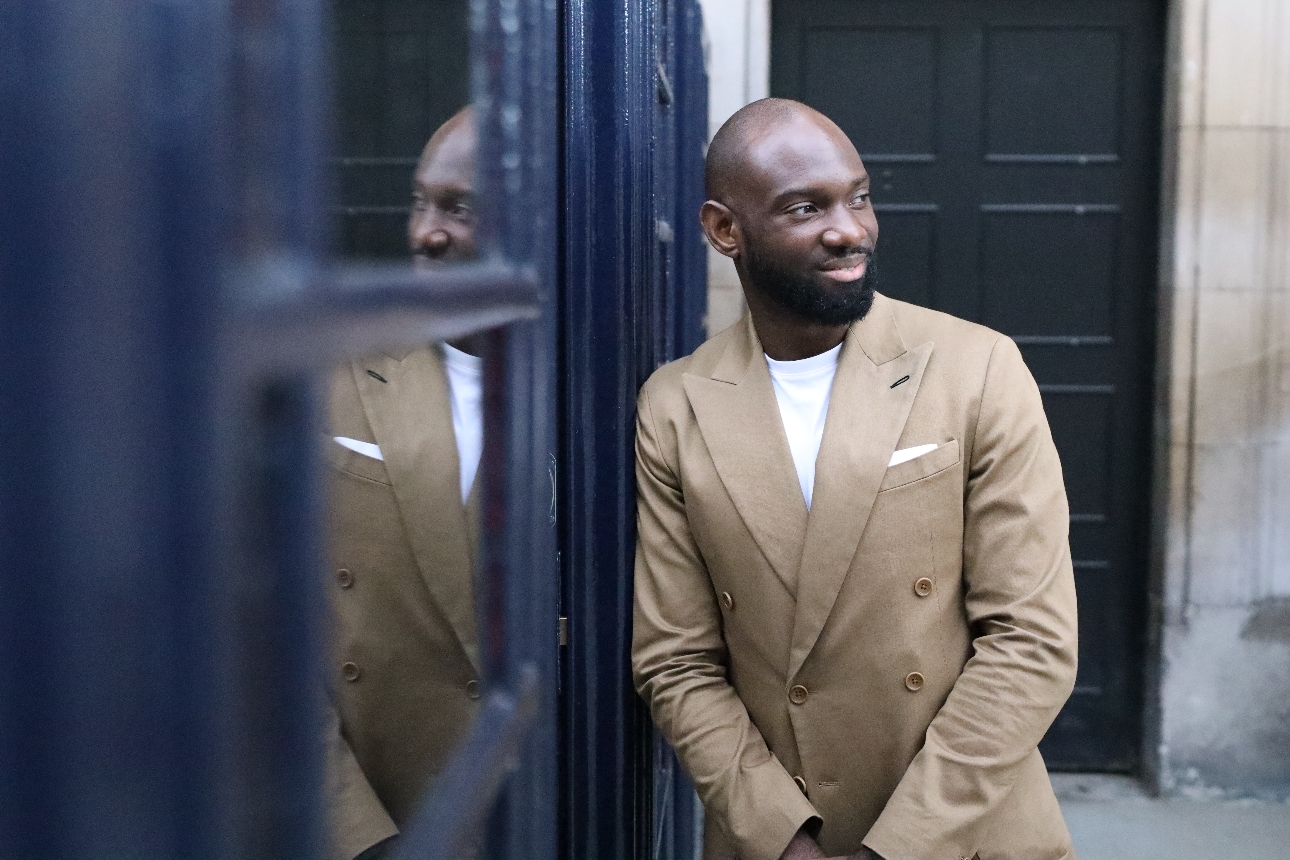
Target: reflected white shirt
466,386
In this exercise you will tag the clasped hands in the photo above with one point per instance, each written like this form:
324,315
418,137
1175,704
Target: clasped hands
803,847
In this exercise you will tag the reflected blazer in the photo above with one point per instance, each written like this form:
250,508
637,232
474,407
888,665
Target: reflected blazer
882,668
401,547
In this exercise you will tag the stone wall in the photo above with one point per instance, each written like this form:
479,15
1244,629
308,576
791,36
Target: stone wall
738,55
1220,703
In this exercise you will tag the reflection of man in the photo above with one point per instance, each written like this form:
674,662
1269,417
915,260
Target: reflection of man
402,519
442,225
855,610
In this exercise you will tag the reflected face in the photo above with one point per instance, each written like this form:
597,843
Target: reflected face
441,228
806,221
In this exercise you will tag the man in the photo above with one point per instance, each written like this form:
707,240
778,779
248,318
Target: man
855,651
403,518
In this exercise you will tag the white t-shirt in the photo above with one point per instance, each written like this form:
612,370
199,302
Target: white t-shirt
802,389
466,385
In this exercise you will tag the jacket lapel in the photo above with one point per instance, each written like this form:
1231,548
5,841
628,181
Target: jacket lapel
411,415
738,416
865,420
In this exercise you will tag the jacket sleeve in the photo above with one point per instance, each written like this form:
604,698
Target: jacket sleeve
1020,602
679,661
357,819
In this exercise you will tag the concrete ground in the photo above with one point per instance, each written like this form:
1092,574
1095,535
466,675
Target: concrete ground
1112,818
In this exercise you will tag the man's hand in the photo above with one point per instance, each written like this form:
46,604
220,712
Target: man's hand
803,847
865,853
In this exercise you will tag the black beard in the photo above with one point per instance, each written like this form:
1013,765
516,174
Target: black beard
804,297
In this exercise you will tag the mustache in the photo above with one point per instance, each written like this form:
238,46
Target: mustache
866,251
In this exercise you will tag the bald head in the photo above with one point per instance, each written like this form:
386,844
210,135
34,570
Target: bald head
733,150
441,226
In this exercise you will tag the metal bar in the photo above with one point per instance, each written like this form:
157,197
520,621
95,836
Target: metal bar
1061,388
1063,339
899,208
1088,519
373,161
1051,208
899,158
115,711
358,211
1080,159
298,322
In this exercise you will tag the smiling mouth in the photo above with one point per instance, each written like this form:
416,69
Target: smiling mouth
846,274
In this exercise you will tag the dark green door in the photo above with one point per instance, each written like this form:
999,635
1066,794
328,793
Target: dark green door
1014,151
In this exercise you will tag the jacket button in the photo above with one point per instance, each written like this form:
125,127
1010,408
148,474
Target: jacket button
350,671
345,578
923,587
798,695
801,784
914,681
727,601
472,689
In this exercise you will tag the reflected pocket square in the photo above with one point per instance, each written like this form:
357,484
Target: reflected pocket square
901,456
367,449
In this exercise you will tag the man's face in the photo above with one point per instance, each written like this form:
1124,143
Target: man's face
441,227
807,225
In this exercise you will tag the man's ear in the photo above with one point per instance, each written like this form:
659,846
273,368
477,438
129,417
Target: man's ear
720,227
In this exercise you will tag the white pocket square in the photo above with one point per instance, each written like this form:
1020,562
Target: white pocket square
367,449
905,454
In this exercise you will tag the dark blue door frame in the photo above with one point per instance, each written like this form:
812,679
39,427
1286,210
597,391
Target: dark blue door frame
634,293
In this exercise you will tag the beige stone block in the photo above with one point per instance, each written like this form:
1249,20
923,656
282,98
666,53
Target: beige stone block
1225,552
1277,72
1185,205
1176,547
725,295
1236,169
738,45
1232,365
1224,694
1189,63
1181,348
1276,550
1278,223
1237,60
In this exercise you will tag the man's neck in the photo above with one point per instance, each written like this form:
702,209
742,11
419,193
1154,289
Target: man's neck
786,337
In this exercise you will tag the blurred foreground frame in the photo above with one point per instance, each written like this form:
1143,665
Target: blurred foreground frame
166,302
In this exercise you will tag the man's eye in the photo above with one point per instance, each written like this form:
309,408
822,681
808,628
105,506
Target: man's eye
419,204
860,199
462,209
802,209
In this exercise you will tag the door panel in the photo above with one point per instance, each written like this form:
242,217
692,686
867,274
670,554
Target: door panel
1013,147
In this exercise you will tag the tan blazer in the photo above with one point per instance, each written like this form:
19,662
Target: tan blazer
405,651
884,667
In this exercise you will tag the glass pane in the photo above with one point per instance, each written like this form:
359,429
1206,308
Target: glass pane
404,433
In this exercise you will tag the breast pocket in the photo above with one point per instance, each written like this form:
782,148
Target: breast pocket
932,463
354,463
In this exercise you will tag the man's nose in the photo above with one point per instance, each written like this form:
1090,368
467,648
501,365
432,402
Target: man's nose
429,236
844,229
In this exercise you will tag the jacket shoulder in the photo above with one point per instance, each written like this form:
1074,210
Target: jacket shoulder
918,325
665,383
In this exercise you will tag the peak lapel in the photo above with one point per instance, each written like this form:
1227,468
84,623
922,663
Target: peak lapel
738,416
411,416
864,423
